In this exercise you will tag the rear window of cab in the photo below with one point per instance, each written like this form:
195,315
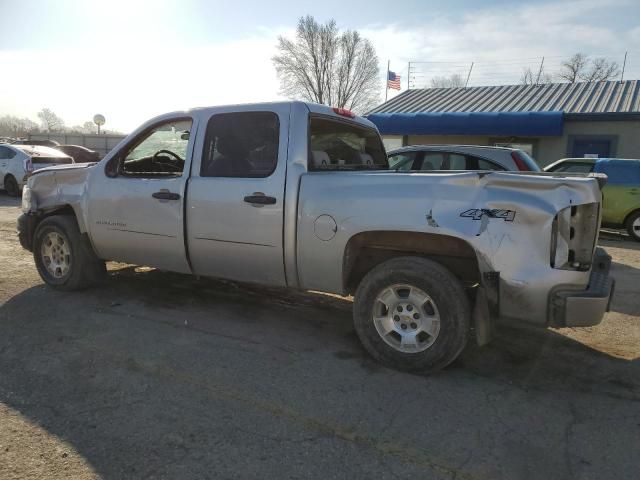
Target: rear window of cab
343,145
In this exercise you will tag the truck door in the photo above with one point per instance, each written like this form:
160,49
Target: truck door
136,202
235,195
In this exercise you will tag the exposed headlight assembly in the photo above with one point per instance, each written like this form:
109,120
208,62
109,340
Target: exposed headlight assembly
573,237
28,200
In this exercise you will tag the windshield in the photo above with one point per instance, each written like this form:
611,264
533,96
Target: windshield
341,145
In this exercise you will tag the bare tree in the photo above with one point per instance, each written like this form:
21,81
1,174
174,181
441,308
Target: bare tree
574,67
11,126
325,66
452,81
529,77
50,121
89,127
601,69
581,68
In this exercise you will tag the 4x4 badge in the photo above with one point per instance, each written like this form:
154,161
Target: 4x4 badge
478,213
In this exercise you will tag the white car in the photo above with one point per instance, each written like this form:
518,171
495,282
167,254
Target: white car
17,162
460,157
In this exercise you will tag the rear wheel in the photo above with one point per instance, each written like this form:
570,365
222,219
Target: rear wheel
412,314
633,226
11,186
64,257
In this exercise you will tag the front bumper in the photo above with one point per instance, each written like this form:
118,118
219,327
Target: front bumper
26,226
585,308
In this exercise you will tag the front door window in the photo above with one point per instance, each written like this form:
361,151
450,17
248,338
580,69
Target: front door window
161,152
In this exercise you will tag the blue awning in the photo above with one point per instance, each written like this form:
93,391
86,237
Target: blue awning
520,124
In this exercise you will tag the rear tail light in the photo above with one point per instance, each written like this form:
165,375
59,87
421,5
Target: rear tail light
573,236
520,163
28,165
344,112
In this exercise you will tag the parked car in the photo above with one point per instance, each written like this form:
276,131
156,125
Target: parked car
80,154
461,157
41,143
300,195
621,202
19,161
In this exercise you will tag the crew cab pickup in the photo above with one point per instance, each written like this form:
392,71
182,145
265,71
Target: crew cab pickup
300,195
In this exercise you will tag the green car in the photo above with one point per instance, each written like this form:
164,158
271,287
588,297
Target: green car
621,194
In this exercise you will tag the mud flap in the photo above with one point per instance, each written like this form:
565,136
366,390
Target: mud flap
486,309
483,325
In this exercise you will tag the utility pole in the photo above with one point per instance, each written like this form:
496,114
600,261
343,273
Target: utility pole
386,81
468,76
540,71
408,74
624,64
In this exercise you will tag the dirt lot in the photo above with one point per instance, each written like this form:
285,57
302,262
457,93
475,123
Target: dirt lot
158,375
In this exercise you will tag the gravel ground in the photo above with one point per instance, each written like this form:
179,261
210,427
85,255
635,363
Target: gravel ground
158,375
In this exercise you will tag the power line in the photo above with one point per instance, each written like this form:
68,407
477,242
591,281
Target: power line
420,74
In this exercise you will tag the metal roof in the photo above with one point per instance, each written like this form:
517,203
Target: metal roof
570,98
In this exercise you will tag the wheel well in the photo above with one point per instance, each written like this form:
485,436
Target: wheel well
366,250
626,219
61,210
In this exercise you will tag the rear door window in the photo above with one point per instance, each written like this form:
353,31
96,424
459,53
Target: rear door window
433,161
402,161
457,162
342,145
241,144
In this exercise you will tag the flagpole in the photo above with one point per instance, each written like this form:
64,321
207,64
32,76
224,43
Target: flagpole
386,82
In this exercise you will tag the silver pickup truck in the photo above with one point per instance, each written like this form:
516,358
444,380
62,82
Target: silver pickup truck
300,195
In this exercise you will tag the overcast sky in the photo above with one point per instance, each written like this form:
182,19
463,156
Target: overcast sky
131,60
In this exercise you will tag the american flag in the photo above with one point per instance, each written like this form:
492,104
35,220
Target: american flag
393,80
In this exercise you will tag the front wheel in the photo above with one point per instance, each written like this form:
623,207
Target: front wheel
64,258
412,314
633,226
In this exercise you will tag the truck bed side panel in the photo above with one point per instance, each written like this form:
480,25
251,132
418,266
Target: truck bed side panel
518,249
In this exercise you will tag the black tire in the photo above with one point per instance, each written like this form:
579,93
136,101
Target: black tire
447,293
85,268
634,233
11,186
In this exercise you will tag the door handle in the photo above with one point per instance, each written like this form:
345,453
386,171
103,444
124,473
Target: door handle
166,195
260,199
